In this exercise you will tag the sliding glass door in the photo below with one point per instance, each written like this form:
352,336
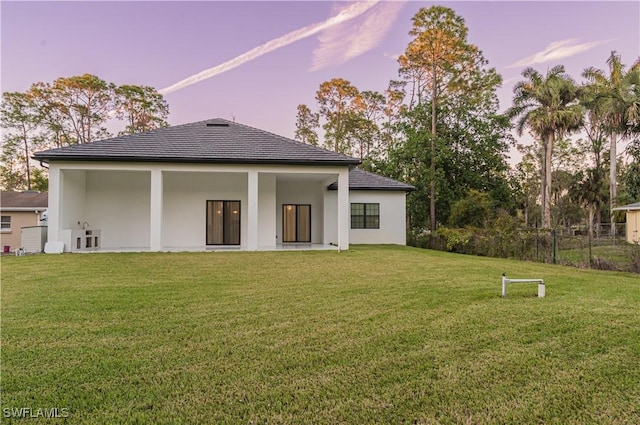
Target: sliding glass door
296,223
223,222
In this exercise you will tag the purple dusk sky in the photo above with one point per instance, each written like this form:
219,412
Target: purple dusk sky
159,43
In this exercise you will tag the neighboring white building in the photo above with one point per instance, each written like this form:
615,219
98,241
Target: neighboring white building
216,184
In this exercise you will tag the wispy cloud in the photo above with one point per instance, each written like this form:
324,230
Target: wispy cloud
345,15
558,50
342,42
509,81
394,56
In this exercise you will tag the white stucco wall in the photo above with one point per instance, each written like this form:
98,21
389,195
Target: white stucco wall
330,206
392,229
393,206
72,205
117,203
267,210
301,193
185,202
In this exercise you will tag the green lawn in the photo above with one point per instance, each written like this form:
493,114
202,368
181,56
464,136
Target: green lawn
386,335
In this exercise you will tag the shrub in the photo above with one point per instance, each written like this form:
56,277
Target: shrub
473,210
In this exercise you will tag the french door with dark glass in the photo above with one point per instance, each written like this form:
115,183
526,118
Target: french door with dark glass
223,222
296,223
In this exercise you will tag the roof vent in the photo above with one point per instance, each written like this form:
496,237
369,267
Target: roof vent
217,124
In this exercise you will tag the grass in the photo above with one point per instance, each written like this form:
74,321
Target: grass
618,257
371,335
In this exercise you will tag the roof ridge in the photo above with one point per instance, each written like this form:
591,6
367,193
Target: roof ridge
318,148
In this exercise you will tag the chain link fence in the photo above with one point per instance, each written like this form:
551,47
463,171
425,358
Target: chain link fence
571,246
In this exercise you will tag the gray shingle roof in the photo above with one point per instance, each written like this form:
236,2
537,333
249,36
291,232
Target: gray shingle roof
364,180
23,200
211,141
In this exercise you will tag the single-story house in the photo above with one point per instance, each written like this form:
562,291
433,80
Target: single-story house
216,184
633,221
18,210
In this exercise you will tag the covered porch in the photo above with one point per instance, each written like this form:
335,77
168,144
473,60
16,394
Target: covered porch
197,207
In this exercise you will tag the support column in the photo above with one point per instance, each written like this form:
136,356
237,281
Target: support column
155,219
344,209
252,211
53,211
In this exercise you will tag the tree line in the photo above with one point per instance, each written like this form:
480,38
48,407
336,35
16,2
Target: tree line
69,111
437,126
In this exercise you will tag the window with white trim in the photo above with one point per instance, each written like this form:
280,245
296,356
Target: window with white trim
5,223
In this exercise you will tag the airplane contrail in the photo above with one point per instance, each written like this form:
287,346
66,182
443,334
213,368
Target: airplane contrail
345,15
343,42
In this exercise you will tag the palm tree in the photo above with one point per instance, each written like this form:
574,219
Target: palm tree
588,191
617,101
595,144
548,107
